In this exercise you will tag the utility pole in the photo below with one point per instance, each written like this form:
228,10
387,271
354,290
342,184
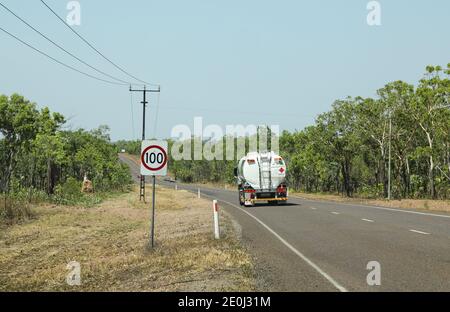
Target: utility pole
144,106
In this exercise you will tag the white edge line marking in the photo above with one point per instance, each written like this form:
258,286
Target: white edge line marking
420,232
292,248
375,207
313,208
335,213
367,220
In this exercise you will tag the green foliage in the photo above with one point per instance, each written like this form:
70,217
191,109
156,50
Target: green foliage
40,161
347,150
130,147
69,193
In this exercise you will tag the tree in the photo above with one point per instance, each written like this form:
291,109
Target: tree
431,95
338,134
346,150
395,100
36,155
19,126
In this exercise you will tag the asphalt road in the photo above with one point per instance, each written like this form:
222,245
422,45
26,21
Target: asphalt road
310,245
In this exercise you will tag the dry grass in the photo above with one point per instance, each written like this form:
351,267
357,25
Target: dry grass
110,242
419,204
13,210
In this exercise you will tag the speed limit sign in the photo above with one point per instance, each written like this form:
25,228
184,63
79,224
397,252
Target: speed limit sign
154,158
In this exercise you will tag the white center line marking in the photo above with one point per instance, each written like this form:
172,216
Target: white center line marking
313,208
367,220
420,232
335,213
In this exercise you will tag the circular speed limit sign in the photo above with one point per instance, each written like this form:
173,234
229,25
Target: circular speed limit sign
154,159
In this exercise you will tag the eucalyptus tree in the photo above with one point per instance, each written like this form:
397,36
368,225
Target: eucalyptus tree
396,98
338,132
373,126
432,95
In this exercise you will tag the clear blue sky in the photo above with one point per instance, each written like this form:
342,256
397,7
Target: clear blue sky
286,61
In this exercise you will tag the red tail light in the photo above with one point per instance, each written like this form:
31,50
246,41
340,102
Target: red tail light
281,189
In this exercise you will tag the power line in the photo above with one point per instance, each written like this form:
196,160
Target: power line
61,48
92,47
59,62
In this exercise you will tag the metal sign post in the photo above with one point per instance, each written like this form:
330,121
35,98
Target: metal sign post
153,212
154,161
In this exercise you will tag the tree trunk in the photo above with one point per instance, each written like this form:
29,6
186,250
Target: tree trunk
9,172
31,184
346,176
431,170
338,187
51,177
431,178
408,178
448,157
384,177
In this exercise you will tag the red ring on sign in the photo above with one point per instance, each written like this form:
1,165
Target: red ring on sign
149,148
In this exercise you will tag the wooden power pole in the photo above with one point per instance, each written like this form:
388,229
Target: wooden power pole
144,106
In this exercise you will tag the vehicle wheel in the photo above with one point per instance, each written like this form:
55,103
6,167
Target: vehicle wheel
241,202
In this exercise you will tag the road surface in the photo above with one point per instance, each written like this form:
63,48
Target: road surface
311,245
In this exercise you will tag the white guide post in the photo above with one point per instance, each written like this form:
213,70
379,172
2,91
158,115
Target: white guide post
216,220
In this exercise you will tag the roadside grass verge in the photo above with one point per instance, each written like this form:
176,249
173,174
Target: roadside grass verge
18,206
15,209
110,241
418,204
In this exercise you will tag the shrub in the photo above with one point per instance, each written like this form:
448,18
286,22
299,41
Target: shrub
13,210
69,193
